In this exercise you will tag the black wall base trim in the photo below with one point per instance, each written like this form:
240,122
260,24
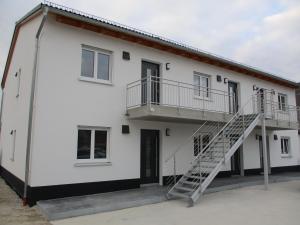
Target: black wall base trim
285,169
14,182
67,190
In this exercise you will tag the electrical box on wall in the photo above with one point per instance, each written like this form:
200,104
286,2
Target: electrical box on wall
126,55
125,129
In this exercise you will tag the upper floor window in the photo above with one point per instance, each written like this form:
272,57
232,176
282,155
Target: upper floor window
96,64
201,85
93,143
282,102
285,146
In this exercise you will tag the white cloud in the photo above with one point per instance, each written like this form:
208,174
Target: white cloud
275,46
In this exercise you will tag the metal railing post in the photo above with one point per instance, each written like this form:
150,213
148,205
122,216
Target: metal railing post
174,169
224,103
149,91
264,142
178,93
223,145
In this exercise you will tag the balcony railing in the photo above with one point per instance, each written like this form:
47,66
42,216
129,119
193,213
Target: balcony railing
164,92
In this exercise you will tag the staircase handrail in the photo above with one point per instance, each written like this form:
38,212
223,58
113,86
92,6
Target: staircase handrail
222,129
184,143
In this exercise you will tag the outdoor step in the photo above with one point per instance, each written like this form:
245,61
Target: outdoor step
189,182
179,194
184,188
194,177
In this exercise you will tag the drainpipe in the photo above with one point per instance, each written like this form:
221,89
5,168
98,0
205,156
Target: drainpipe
29,131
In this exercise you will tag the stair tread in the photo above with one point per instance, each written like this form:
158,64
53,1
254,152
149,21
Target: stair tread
182,195
189,182
195,177
206,164
184,188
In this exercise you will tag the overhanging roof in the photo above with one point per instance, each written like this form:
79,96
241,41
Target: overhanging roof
90,22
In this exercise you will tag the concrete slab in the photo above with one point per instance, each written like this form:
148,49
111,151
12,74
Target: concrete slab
85,205
245,206
104,202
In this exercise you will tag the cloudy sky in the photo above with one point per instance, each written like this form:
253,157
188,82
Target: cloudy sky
260,33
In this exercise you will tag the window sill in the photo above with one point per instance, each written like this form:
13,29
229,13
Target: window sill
202,98
82,164
97,81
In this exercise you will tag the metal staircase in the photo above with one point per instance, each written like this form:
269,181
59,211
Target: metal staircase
209,161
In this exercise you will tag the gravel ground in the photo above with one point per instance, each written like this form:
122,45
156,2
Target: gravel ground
12,212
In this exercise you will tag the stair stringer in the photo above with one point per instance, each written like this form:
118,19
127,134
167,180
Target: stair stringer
199,191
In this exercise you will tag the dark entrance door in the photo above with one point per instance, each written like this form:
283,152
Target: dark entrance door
150,69
235,162
233,97
261,155
149,156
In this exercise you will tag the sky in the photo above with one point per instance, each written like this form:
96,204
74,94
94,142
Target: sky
261,33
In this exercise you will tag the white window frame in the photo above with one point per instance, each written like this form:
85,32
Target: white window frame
289,146
282,107
198,88
92,161
95,79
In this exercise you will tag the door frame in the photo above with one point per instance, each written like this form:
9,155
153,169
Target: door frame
157,178
160,72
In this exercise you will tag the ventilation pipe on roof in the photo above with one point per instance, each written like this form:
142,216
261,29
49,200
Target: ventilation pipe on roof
29,131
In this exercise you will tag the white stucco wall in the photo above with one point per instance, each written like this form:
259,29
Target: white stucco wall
63,102
16,109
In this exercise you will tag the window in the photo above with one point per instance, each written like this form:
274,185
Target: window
282,102
92,144
95,65
285,146
200,142
18,76
201,85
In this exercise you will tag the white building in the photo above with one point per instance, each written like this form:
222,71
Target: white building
77,117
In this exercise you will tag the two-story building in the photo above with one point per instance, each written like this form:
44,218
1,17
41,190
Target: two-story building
91,106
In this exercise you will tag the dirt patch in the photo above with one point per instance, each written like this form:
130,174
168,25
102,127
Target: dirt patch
12,212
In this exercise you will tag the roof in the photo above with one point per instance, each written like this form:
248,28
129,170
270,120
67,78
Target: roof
91,22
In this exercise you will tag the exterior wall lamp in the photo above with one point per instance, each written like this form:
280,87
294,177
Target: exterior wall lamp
167,66
167,131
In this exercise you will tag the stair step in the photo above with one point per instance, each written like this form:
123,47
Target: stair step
189,182
195,177
179,194
184,188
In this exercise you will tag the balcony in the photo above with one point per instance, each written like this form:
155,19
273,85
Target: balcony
159,99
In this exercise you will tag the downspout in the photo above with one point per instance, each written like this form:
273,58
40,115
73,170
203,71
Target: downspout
31,105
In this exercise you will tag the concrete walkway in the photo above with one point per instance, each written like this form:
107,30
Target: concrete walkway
280,205
85,205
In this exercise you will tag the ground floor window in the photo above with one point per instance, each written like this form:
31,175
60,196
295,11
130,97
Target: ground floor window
200,142
93,143
285,146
